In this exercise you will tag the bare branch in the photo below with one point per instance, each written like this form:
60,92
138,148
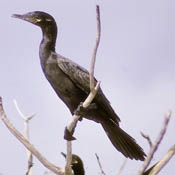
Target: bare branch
164,161
73,124
90,96
156,144
99,163
21,114
30,164
147,138
48,173
122,167
68,169
25,142
95,48
26,135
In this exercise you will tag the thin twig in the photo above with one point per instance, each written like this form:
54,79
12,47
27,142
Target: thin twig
25,142
26,135
21,114
30,164
99,163
156,144
147,138
164,161
90,97
95,48
122,166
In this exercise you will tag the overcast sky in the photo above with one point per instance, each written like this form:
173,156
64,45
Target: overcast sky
135,64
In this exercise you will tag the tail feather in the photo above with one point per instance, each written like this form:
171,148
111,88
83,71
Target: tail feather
123,142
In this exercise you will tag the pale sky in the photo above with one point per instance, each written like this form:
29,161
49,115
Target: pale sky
135,64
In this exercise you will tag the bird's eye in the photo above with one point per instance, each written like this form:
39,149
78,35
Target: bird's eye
38,19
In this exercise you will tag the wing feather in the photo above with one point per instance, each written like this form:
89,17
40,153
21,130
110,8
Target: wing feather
76,73
80,77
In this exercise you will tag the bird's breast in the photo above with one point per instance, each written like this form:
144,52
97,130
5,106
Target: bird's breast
63,85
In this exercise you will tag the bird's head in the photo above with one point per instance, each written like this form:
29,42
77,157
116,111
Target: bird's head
38,18
76,164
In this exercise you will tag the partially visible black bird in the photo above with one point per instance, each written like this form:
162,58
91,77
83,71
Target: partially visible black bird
78,167
76,164
71,83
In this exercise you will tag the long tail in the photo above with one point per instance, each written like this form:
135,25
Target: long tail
123,142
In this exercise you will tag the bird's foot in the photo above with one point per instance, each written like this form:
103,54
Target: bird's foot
79,111
68,135
83,111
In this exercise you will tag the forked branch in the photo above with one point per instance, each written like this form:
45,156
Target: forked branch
156,144
25,142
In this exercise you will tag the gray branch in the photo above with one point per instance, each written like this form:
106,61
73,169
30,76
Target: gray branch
27,144
164,161
156,144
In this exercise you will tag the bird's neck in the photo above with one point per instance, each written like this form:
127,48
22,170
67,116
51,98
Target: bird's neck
47,45
49,39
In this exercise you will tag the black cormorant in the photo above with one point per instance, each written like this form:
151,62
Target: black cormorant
71,83
76,164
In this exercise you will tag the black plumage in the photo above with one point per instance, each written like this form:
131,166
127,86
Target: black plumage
76,164
71,83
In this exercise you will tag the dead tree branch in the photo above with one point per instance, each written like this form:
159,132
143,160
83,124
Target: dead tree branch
164,161
147,138
93,91
26,135
156,144
99,163
25,142
92,68
122,166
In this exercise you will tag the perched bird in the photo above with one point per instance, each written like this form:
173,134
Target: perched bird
71,83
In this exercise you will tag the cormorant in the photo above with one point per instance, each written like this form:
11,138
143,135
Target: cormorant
76,164
71,83
78,167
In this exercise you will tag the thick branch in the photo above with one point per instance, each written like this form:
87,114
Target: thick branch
73,124
156,144
26,143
